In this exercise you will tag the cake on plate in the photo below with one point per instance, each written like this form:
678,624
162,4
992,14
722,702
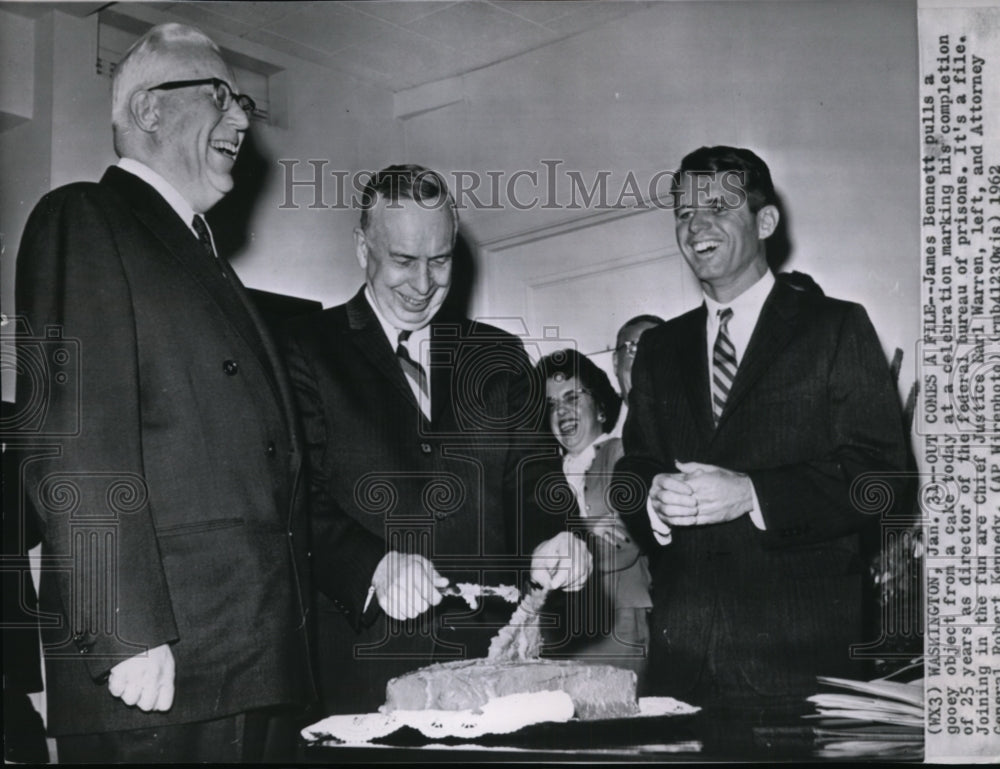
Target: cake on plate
597,691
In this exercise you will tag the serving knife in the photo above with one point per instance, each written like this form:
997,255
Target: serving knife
468,590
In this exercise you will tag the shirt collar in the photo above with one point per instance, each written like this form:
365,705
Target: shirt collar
167,191
749,303
416,344
578,464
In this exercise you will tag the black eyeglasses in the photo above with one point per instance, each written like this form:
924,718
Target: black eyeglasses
570,399
222,94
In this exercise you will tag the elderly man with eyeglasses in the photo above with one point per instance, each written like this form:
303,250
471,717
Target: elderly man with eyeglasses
174,541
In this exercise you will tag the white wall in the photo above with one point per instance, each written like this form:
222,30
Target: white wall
17,72
305,251
825,92
25,145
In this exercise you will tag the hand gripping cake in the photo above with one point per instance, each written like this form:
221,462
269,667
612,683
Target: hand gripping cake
597,691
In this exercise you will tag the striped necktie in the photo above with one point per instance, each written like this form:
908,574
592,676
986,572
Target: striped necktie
723,364
410,367
201,227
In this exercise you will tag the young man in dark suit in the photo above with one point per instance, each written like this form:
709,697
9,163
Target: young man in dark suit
174,543
756,423
428,454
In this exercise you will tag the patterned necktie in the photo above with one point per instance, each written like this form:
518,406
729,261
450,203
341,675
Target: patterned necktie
723,364
201,227
410,367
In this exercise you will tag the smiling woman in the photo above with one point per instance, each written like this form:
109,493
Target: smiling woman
608,621
581,403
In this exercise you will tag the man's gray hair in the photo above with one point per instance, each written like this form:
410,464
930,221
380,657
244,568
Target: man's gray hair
146,64
411,182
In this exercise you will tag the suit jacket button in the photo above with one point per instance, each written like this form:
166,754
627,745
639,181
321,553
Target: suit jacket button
231,367
426,448
270,450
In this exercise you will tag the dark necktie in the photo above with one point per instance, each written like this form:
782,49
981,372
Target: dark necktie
410,367
201,227
723,364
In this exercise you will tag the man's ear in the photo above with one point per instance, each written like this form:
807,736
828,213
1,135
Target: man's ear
767,222
361,248
145,111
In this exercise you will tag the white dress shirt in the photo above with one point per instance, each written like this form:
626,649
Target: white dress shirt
575,467
746,312
419,346
167,191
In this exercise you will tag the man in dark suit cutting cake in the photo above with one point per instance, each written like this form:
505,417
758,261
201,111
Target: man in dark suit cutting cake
429,461
756,421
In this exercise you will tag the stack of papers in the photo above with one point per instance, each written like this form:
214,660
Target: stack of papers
879,718
886,702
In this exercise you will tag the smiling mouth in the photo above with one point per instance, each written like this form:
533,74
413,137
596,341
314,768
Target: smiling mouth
227,148
706,247
413,304
567,426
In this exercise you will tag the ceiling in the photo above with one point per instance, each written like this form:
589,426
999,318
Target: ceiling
392,43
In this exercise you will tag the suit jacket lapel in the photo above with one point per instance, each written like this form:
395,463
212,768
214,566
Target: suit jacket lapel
693,368
446,347
770,336
367,335
157,215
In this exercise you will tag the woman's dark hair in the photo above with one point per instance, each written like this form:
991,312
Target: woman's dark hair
570,363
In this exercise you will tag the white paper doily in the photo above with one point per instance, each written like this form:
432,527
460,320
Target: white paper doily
499,716
502,715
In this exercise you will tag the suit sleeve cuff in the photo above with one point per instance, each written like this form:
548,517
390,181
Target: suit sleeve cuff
756,515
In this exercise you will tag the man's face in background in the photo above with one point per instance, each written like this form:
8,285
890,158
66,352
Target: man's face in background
624,355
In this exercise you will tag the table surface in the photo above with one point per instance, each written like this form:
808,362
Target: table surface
702,737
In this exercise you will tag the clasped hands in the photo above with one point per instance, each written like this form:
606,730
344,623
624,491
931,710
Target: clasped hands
407,585
698,495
